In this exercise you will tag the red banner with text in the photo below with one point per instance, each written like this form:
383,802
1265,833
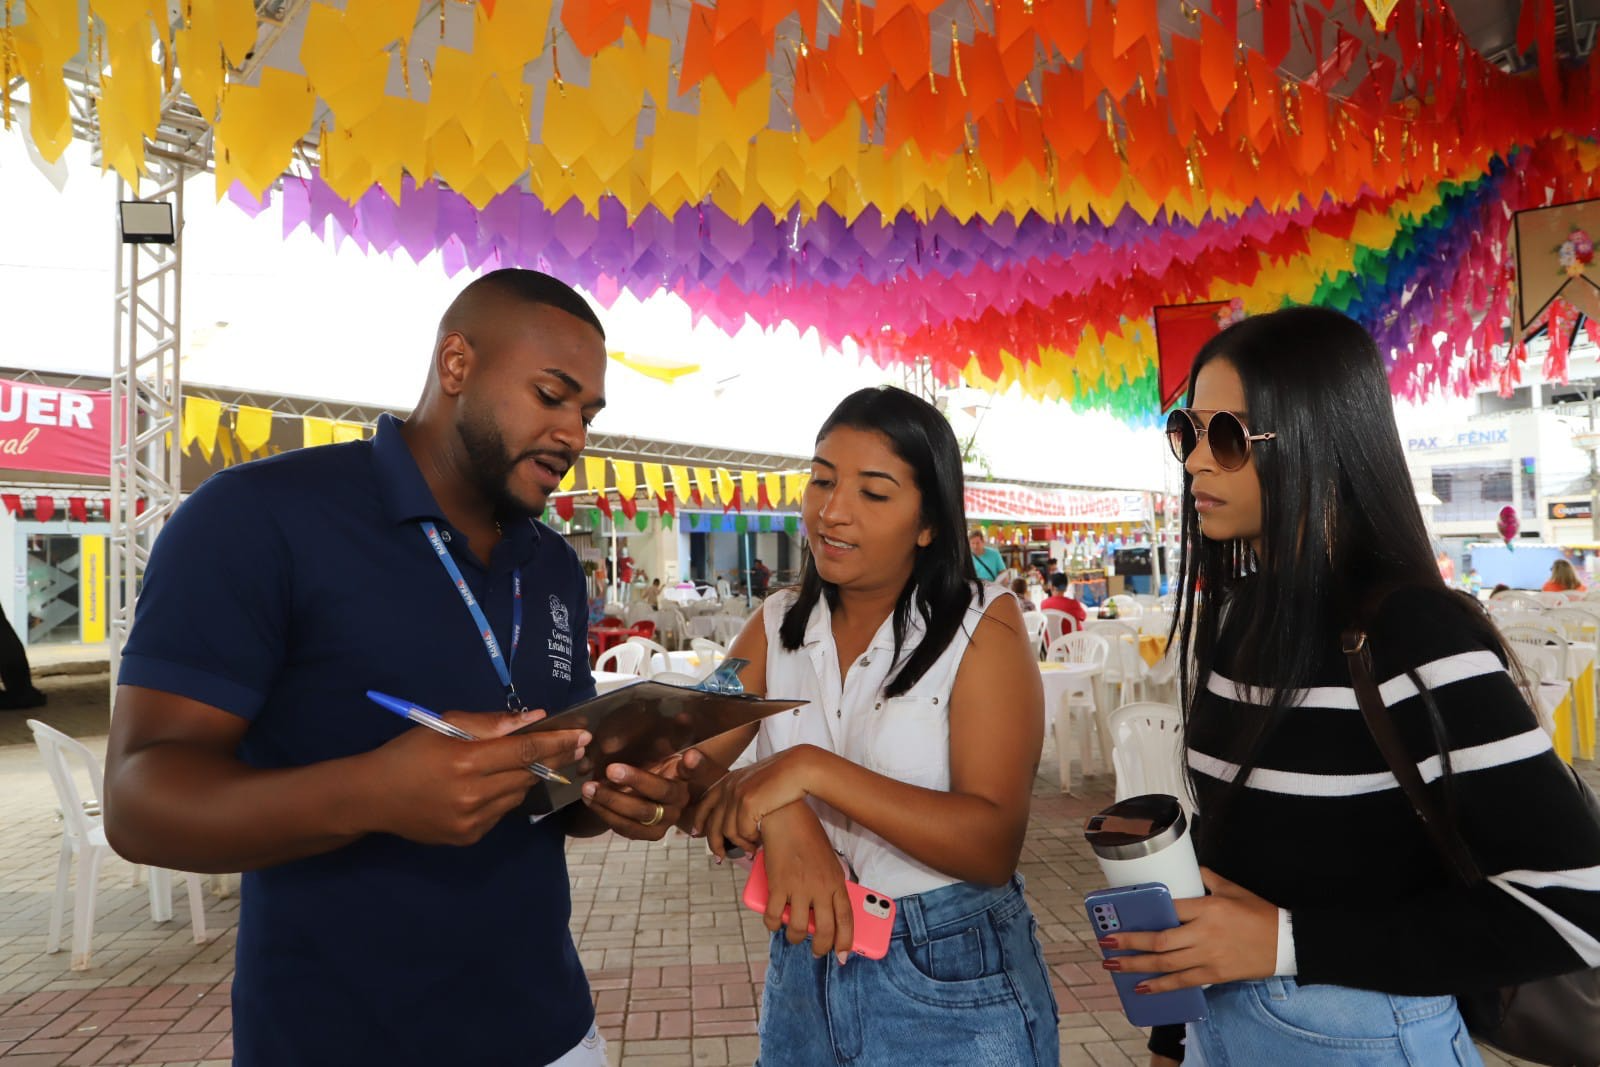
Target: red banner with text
1015,503
66,431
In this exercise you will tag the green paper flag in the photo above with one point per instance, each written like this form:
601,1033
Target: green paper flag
791,525
592,516
641,519
666,520
763,523
741,524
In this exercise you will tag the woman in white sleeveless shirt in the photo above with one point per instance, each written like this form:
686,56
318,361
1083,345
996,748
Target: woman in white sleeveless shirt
911,765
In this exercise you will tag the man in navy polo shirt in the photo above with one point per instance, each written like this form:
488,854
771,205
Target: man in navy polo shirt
394,910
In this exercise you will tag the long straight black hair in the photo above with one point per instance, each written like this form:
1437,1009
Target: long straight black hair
943,581
1340,525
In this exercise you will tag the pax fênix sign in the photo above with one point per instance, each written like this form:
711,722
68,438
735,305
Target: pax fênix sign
1570,509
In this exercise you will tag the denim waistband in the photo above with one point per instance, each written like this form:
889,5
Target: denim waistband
923,916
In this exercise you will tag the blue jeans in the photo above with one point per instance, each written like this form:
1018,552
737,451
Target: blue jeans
964,983
1276,1020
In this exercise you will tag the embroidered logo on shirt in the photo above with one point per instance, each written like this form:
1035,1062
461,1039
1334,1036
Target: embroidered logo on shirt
559,644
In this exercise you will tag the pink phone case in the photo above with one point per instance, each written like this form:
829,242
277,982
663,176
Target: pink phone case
873,912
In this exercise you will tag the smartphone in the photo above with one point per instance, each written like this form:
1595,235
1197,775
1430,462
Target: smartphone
1139,909
873,912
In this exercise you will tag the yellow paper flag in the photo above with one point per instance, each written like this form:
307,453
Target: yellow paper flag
253,428
655,480
774,484
349,431
680,481
747,488
201,418
704,483
725,485
627,478
794,487
594,473
569,479
317,431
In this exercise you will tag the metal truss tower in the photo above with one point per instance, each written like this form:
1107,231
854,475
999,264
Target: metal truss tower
146,398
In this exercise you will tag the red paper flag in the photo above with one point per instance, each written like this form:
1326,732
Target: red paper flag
669,503
1181,331
44,508
13,502
603,502
78,508
630,506
1275,30
566,507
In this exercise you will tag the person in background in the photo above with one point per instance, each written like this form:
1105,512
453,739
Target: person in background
1447,567
1563,578
1019,589
652,596
396,908
986,559
1058,600
15,673
913,760
1330,912
1499,587
1472,583
760,578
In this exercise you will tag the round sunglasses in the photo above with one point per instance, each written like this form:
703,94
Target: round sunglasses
1226,433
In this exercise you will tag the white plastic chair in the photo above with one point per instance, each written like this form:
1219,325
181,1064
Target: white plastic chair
1147,752
1082,702
1542,667
1526,620
707,649
725,629
1554,600
615,609
724,590
1057,623
1034,622
1572,620
648,667
83,836
641,611
626,658
1526,600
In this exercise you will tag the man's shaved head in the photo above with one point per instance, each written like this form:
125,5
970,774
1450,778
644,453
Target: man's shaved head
482,312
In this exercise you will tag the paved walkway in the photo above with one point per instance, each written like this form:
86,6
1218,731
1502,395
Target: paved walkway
675,962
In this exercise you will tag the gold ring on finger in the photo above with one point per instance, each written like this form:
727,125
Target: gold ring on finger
659,814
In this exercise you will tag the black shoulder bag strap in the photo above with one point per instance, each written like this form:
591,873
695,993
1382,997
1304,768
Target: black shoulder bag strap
1381,726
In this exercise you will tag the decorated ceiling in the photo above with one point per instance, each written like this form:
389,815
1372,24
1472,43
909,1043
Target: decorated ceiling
1004,190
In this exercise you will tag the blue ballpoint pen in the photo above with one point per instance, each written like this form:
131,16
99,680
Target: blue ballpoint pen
423,717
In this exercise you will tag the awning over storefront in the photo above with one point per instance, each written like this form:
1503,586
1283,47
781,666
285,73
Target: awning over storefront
997,502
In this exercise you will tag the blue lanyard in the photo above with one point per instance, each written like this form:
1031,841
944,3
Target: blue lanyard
502,664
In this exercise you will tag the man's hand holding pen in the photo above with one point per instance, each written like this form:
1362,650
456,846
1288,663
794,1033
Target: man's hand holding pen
437,790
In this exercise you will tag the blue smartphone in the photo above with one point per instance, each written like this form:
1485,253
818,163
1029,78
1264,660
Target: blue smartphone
1138,909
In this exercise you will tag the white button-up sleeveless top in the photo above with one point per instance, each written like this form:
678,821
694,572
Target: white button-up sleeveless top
907,738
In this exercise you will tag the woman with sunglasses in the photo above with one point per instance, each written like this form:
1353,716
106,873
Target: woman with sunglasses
911,766
1334,932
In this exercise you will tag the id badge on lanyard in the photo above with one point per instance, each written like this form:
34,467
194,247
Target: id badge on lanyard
501,663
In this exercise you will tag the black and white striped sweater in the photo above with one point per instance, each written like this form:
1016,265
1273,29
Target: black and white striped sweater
1322,828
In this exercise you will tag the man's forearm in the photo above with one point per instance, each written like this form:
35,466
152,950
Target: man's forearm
173,805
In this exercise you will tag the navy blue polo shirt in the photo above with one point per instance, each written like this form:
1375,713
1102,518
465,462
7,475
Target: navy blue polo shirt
280,592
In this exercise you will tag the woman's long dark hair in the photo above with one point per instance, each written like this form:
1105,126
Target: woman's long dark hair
942,579
1341,528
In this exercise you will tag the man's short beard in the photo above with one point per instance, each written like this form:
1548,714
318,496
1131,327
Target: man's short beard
489,462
